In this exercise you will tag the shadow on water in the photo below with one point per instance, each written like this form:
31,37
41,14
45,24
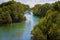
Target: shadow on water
19,31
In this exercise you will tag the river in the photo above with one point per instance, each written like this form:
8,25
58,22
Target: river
19,31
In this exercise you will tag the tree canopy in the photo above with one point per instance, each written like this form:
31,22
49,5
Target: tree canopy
12,12
48,27
40,10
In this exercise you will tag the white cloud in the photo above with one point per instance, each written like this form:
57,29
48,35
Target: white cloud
32,2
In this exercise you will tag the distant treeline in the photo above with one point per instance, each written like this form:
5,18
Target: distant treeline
48,27
12,12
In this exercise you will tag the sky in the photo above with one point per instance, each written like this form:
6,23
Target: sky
31,3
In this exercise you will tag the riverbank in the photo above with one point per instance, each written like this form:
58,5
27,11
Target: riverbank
19,31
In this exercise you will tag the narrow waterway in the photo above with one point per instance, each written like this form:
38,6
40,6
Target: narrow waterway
19,31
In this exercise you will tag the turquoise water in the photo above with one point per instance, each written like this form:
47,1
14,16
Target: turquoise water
19,31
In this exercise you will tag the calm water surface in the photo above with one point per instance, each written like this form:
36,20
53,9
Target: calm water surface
19,31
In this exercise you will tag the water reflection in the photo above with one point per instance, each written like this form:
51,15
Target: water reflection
19,31
30,22
12,32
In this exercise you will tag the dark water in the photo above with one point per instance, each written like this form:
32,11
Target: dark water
19,31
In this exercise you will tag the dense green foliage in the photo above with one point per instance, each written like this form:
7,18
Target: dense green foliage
12,12
40,10
48,27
